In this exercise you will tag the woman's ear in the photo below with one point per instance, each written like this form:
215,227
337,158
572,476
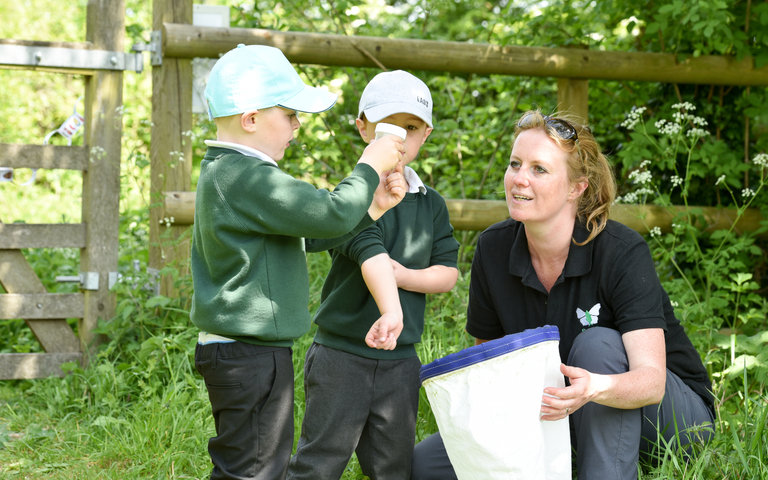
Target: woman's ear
578,189
248,120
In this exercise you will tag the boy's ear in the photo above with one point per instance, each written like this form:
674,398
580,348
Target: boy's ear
426,135
362,127
248,120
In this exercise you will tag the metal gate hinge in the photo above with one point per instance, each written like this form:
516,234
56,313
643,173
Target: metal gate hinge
154,47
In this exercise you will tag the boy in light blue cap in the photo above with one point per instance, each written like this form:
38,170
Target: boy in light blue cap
248,252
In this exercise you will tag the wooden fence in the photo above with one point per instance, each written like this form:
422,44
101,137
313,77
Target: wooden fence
572,69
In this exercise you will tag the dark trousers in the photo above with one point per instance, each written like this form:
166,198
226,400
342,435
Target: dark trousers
608,441
251,392
361,405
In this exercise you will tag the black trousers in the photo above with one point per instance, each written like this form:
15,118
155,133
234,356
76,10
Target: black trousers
251,392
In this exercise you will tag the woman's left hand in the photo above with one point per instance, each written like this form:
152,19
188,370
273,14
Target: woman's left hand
558,403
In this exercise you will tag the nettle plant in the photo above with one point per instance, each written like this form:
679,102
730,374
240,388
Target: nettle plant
676,164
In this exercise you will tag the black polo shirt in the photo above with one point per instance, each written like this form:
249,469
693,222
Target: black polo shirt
609,282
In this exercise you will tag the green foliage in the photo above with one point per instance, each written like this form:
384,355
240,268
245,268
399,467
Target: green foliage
140,410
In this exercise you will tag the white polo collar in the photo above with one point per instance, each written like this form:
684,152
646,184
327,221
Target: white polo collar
251,152
415,183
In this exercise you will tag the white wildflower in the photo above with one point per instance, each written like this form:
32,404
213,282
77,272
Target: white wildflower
697,133
671,129
655,232
761,160
720,180
684,106
641,177
633,117
644,191
747,192
676,181
674,304
698,121
644,163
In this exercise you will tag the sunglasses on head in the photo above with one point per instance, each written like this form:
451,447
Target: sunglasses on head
564,130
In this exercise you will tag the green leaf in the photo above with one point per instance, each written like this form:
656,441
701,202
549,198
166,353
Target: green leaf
158,301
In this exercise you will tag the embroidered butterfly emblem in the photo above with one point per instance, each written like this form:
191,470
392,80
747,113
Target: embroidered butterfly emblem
588,318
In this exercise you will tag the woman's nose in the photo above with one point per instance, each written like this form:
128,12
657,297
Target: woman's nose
520,178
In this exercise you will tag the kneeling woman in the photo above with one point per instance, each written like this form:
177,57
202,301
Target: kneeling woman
632,373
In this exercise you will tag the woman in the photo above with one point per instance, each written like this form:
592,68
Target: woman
632,373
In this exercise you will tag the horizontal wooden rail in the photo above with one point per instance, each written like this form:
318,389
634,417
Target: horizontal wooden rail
481,214
41,305
22,235
43,156
15,366
188,41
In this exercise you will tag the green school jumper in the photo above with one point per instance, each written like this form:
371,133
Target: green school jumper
248,257
417,233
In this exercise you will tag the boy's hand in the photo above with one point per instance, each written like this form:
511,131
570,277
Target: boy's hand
389,193
384,332
384,153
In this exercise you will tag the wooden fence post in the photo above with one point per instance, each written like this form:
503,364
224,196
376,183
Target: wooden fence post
171,149
573,97
105,28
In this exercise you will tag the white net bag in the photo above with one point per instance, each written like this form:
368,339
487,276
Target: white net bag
487,403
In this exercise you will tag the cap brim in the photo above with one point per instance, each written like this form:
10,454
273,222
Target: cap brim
380,112
310,100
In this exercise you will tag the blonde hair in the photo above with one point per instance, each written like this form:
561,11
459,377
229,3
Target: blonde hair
595,202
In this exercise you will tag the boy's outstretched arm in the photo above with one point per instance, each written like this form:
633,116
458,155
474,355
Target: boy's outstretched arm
380,280
434,279
389,193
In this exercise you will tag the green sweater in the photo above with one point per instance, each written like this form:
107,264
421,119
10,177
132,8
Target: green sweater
249,267
418,234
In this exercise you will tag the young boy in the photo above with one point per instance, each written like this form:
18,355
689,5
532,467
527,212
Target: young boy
358,398
248,253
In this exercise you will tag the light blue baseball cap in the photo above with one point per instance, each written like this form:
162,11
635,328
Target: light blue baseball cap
256,76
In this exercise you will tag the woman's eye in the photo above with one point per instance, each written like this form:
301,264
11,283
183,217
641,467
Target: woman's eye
540,169
411,127
514,164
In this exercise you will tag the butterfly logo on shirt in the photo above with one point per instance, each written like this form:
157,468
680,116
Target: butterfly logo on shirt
588,318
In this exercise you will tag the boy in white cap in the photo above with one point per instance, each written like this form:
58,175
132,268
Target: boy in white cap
248,252
363,395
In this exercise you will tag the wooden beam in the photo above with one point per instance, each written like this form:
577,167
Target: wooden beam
17,276
171,148
44,156
105,29
481,214
188,41
41,306
22,235
16,366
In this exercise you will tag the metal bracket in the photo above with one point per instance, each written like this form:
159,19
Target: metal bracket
70,58
89,280
154,47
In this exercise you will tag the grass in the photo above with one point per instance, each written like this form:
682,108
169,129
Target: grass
140,411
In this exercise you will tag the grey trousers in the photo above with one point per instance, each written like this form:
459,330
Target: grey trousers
361,405
607,441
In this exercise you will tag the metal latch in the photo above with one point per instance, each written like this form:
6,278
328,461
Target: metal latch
154,47
88,280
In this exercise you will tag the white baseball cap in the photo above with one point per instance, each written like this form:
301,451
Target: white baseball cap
395,92
257,76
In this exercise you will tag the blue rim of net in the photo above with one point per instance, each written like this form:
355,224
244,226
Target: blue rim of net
488,350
